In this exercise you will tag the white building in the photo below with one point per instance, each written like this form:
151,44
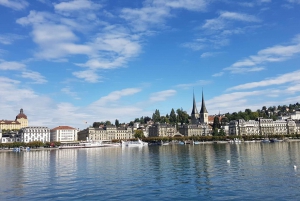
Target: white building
294,116
63,134
263,127
35,133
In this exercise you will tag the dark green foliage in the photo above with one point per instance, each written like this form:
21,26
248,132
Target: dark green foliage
138,134
117,123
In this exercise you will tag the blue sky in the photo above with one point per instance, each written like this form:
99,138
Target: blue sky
71,62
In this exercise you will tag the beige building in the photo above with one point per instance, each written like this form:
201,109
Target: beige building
162,130
21,121
194,130
105,133
63,134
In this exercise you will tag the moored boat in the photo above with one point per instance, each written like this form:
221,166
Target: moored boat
138,143
71,146
91,144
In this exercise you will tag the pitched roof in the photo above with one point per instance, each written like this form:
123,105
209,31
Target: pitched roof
9,122
194,111
203,108
63,128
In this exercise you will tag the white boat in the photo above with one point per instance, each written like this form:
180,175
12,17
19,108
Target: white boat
91,144
164,143
266,140
197,142
237,140
138,143
105,144
71,146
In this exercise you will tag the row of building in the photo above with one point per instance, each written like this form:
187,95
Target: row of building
200,125
264,127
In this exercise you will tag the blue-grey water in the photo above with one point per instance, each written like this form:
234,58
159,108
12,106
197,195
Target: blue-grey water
257,171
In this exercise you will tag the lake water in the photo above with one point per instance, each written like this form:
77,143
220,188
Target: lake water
257,171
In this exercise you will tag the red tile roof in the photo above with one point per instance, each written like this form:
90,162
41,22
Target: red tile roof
9,122
63,128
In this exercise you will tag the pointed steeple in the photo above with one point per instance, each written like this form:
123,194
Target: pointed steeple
194,111
203,108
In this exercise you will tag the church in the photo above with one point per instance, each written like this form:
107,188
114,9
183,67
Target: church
20,121
199,121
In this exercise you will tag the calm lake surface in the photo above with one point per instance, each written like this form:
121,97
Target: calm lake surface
257,171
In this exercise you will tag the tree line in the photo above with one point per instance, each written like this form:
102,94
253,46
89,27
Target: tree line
182,117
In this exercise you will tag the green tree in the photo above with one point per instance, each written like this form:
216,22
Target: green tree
215,132
224,121
107,123
96,124
138,134
216,124
117,123
131,123
146,119
173,117
142,120
156,116
164,119
221,132
182,116
136,120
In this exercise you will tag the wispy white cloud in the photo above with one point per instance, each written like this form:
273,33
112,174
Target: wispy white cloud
193,5
87,75
224,18
216,32
162,95
76,5
209,54
291,77
197,83
218,74
36,77
115,96
67,90
276,53
8,39
11,65
57,38
156,12
294,1
14,4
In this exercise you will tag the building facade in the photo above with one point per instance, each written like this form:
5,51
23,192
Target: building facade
35,133
105,133
194,130
63,134
20,121
161,130
263,127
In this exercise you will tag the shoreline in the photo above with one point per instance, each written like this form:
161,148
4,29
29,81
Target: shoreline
207,142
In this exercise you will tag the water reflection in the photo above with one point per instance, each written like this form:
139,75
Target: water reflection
180,172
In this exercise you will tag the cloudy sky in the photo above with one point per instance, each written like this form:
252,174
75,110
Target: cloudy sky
79,61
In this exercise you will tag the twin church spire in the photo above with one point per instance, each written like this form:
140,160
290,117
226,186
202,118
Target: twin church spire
195,116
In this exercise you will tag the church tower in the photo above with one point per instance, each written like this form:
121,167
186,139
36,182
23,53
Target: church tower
203,112
194,114
22,119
